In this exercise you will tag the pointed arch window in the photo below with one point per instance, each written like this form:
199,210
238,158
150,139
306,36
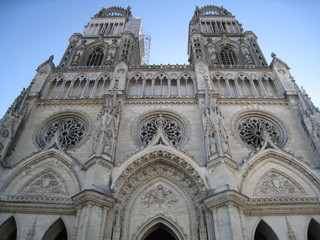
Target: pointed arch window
95,58
313,230
228,56
57,231
8,230
264,232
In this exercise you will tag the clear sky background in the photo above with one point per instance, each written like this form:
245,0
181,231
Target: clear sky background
32,30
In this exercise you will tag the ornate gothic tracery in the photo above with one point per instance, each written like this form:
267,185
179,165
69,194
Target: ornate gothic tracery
254,129
68,131
172,129
228,56
95,57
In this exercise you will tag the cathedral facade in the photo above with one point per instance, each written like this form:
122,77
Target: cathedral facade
104,146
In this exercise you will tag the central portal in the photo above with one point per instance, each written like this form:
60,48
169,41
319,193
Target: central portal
160,234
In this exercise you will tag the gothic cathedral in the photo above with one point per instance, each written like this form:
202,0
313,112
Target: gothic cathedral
106,147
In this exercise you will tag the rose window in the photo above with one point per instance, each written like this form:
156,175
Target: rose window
253,131
69,131
171,128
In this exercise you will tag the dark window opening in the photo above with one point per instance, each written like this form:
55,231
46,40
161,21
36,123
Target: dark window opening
228,56
314,230
160,234
95,57
8,230
264,232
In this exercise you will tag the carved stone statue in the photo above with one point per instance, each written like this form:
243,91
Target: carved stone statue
212,143
103,141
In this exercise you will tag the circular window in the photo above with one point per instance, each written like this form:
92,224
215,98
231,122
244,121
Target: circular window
69,131
254,128
173,128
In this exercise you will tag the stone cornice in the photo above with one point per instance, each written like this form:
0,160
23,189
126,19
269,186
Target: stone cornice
288,209
226,197
264,206
222,160
155,101
91,197
70,102
236,69
245,102
100,161
37,199
37,208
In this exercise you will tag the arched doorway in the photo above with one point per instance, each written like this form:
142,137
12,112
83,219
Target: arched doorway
57,231
160,232
264,232
8,230
314,230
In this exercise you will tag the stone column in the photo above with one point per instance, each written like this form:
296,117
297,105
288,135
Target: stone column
92,211
227,220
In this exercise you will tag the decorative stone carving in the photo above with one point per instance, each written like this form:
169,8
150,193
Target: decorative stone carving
10,123
171,128
212,142
246,53
107,127
159,196
274,183
253,129
5,133
70,132
38,198
47,183
214,127
193,185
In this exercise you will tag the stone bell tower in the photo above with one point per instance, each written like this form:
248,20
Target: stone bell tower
103,146
112,35
218,39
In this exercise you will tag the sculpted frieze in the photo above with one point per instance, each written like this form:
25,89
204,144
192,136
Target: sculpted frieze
275,184
47,183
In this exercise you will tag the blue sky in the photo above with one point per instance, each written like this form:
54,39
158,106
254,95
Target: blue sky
32,30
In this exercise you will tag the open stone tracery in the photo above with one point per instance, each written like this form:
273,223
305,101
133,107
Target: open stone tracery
171,128
253,131
70,131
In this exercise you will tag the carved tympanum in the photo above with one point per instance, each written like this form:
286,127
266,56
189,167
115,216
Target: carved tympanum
275,183
47,183
159,195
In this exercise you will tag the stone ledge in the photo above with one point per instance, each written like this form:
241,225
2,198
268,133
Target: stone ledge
37,208
93,197
264,206
226,197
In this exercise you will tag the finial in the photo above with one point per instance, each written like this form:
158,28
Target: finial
51,58
273,55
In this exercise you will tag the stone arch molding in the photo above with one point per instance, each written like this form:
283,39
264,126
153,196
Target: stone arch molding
159,175
155,153
158,198
272,173
44,177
